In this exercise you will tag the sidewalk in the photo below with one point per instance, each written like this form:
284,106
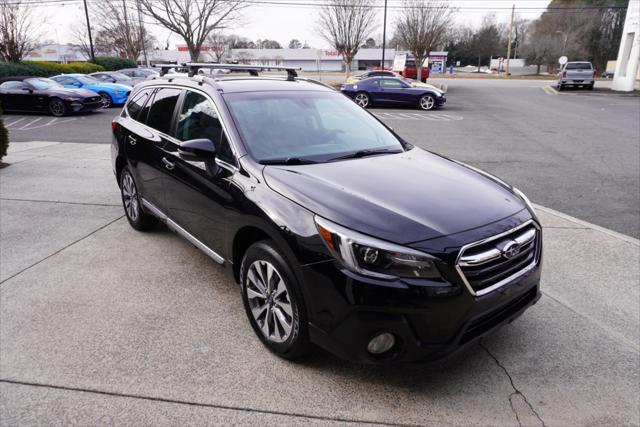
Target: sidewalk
100,324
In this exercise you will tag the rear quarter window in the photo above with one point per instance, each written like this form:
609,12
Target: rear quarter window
137,102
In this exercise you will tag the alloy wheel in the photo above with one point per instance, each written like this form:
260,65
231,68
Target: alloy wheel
427,102
57,107
269,301
362,100
106,100
130,197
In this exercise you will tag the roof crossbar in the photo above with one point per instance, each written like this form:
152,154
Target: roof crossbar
193,68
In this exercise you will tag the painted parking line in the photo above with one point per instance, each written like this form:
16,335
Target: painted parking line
418,116
14,122
29,123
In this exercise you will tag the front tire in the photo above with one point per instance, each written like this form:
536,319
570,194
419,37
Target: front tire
427,102
362,99
107,102
137,218
57,107
273,301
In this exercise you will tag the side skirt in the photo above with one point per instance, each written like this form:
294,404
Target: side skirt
181,231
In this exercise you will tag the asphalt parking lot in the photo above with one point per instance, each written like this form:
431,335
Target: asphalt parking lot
100,324
576,152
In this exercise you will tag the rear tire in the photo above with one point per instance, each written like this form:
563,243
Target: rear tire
273,301
560,87
362,99
131,202
57,107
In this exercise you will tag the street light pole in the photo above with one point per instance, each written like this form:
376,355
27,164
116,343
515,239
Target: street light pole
86,13
384,33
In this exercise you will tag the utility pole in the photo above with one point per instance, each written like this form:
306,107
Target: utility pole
143,36
513,13
86,13
384,33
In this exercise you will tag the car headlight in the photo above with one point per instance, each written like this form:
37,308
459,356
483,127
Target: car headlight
525,199
118,92
373,257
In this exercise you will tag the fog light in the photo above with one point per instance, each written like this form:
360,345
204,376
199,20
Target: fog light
381,343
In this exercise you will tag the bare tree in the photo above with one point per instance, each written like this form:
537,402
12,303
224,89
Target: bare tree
18,30
422,27
193,20
346,24
218,45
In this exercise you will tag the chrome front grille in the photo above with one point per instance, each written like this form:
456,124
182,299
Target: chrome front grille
491,263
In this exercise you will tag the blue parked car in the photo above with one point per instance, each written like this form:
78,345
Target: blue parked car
393,91
111,93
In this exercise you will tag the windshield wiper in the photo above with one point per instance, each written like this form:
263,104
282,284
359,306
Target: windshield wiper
364,153
287,161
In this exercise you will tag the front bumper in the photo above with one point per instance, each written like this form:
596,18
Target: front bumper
117,99
80,106
428,322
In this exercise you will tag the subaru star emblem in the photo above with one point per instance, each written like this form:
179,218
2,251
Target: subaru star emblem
511,250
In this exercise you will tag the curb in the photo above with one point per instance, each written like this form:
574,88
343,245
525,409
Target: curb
614,234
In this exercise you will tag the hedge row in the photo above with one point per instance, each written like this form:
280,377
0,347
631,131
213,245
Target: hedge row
48,69
113,63
4,138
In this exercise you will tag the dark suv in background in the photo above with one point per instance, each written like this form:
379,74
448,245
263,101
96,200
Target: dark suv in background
339,232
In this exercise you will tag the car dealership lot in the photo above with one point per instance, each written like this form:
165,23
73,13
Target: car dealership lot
577,154
100,324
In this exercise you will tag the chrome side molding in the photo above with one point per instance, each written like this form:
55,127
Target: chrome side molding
181,231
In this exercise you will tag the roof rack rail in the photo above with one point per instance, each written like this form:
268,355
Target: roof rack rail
193,68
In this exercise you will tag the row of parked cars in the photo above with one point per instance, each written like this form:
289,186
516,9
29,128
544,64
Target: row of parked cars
70,93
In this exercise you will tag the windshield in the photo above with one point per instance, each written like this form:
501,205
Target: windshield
86,80
316,126
42,84
119,76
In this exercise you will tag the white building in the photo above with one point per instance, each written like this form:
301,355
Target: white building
629,53
62,53
307,59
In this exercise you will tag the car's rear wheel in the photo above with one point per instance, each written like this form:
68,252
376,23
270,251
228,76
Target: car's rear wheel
57,107
106,100
138,219
560,86
273,301
362,99
427,102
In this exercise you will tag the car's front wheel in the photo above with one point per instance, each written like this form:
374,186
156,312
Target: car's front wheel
362,99
273,301
427,102
138,219
57,107
106,100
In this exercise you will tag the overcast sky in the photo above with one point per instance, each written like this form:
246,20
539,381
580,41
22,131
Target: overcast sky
283,23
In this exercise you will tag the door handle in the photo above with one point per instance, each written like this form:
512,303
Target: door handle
168,164
132,140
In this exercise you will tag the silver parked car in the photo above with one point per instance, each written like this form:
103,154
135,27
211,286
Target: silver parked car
575,74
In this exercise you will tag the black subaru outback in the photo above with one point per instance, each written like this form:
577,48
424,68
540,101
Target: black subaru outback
340,233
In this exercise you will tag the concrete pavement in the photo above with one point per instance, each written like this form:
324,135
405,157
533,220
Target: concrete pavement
100,324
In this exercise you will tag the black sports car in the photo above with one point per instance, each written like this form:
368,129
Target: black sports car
39,94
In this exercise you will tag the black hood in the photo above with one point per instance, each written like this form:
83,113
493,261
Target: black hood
403,198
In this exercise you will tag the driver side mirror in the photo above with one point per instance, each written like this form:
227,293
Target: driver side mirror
197,150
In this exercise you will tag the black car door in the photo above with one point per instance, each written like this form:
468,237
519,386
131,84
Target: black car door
197,192
144,138
17,95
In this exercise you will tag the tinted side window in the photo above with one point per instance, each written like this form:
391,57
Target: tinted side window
198,119
391,84
135,104
12,85
162,108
